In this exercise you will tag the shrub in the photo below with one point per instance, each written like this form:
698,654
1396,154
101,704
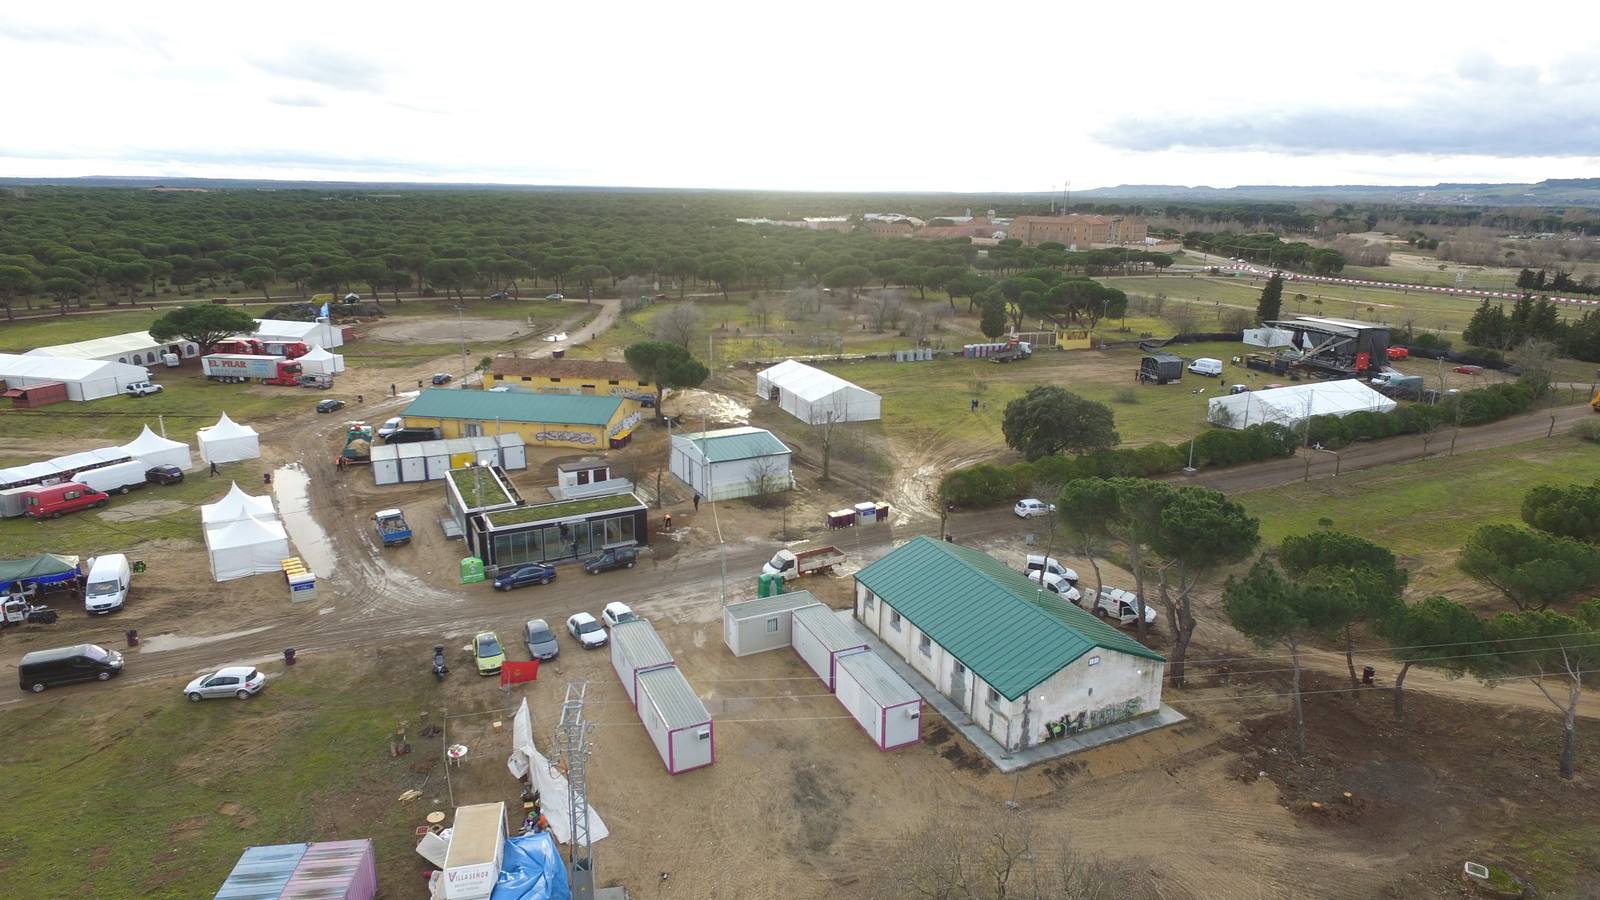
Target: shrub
1126,396
1587,430
1329,431
1429,341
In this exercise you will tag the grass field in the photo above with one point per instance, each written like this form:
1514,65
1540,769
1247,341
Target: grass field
95,531
187,402
151,795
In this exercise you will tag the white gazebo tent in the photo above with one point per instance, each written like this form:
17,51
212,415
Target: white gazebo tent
816,397
154,450
235,506
245,547
1292,405
320,362
228,441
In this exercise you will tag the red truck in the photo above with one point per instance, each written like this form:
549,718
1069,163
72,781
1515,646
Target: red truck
286,349
246,346
69,496
236,368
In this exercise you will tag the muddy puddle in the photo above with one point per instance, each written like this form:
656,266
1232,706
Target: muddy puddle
162,642
291,485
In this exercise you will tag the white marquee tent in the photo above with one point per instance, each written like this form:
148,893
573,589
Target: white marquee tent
154,450
316,334
228,441
321,362
235,506
135,347
814,396
245,547
86,379
1294,404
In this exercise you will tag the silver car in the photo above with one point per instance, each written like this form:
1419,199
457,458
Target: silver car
236,681
541,640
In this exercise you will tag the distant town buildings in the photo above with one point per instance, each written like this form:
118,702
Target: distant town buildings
1079,231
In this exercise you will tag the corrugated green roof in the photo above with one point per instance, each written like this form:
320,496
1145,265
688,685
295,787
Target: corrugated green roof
513,406
996,621
735,443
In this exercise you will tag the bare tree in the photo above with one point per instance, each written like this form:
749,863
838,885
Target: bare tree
769,480
801,303
676,324
885,308
762,308
1536,364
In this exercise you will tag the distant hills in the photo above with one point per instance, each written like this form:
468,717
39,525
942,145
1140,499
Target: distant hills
1550,192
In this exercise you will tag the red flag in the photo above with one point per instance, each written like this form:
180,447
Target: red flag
518,672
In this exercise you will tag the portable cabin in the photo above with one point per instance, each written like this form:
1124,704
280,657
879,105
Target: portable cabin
877,698
678,723
820,639
636,648
756,626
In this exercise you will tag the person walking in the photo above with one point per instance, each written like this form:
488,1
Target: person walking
266,478
213,470
393,392
696,501
360,399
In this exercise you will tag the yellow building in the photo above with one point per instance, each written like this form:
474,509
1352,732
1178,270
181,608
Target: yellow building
590,377
543,420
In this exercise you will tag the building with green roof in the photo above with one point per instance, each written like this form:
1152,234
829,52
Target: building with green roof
731,462
1014,657
543,420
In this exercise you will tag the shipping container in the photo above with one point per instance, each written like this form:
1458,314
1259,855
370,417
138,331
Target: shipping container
678,723
636,648
878,699
820,639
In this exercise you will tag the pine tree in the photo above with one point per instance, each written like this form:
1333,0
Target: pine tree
1271,301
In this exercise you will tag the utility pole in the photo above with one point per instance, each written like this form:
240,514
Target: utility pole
461,325
572,736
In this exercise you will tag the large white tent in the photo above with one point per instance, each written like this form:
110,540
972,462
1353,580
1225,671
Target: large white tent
320,362
228,441
154,450
86,379
135,348
816,397
245,547
1294,404
235,506
317,334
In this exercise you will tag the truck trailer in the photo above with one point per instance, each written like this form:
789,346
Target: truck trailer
236,368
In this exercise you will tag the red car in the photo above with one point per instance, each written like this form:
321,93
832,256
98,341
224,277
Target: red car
1399,353
1469,370
50,502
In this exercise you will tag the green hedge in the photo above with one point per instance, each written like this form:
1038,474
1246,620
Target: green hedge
1479,407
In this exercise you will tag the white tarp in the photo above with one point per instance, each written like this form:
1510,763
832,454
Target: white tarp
235,506
321,362
154,450
1268,337
85,379
246,547
552,785
816,397
1294,404
228,441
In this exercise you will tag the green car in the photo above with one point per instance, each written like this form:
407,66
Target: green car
487,651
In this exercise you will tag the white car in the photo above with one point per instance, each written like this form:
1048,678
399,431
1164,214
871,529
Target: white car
1027,509
236,681
390,426
556,338
1057,584
556,296
1036,563
141,389
616,612
588,632
1119,604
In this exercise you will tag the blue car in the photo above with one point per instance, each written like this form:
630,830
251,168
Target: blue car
522,576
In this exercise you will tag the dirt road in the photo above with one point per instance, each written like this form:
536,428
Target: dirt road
1275,473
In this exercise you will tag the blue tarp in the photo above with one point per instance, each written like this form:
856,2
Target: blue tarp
532,870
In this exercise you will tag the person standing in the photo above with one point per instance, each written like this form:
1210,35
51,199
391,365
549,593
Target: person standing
213,469
696,501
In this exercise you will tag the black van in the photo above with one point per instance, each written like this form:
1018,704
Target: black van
64,665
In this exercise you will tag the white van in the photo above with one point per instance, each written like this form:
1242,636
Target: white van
109,579
1037,563
1206,366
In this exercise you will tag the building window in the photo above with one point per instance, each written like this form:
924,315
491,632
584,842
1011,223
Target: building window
870,603
473,429
527,378
772,625
599,475
894,621
583,476
925,644
994,697
554,380
613,382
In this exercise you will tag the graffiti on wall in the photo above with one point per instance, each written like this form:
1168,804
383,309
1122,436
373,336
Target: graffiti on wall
627,423
1105,715
571,437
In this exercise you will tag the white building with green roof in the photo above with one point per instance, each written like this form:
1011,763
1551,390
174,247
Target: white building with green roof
1013,657
731,462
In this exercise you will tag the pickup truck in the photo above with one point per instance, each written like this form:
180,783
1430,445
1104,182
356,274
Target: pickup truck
803,561
1116,603
392,527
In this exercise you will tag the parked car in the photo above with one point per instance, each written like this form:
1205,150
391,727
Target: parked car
141,389
329,405
617,612
615,558
588,632
235,681
390,426
488,653
441,378
1207,366
522,576
499,295
1399,353
556,296
1470,370
163,475
541,640
1238,389
65,665
1037,563
1119,604
106,589
1056,584
1027,509
51,501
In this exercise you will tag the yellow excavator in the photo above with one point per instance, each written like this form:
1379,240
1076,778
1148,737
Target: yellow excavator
1594,402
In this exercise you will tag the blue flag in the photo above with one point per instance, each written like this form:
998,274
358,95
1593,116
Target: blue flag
324,309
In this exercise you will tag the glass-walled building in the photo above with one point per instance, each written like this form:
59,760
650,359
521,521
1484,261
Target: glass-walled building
557,532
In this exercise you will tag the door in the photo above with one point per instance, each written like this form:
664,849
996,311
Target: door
219,686
958,686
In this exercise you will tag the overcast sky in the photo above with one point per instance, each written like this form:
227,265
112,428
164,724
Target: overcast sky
816,95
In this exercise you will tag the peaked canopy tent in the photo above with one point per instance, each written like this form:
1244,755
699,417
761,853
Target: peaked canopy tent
154,450
316,334
85,379
228,441
235,506
246,547
320,362
1292,405
46,568
816,397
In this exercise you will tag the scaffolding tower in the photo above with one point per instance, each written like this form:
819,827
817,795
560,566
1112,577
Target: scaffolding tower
572,736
